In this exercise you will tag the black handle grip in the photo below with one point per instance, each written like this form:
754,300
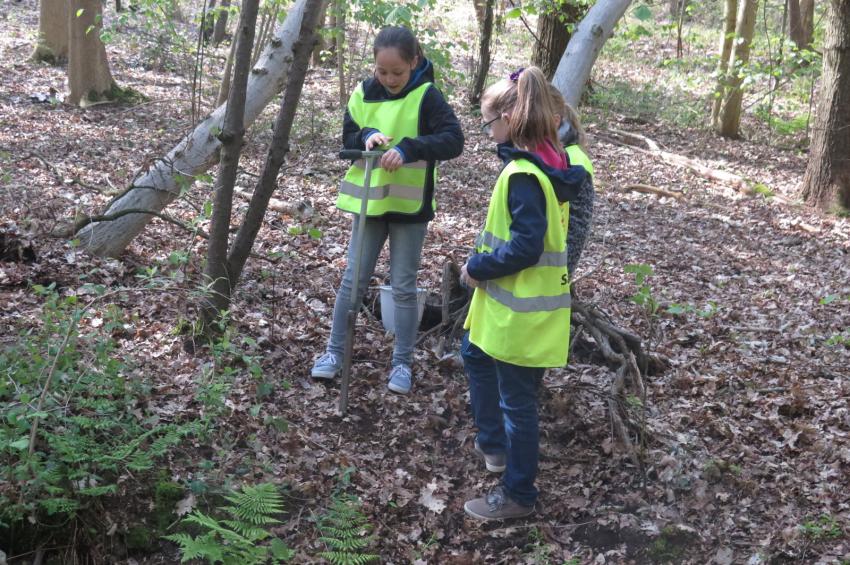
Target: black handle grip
352,154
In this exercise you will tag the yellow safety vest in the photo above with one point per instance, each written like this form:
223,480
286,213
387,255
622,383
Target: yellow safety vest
524,318
403,190
577,156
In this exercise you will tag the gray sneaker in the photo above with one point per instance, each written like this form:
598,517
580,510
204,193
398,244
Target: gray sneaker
497,505
326,366
401,379
495,462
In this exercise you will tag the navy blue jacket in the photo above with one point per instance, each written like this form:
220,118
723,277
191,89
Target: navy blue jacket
527,206
440,135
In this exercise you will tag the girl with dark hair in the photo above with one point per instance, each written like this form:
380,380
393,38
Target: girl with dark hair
519,318
400,109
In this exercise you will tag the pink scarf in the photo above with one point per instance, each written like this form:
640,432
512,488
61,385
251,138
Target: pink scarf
552,156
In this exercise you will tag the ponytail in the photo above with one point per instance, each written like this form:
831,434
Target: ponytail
525,96
568,114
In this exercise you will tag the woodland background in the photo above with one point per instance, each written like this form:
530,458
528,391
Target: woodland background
127,416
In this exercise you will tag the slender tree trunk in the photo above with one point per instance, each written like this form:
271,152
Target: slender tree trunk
801,18
224,88
481,10
161,184
89,77
729,120
827,179
727,39
52,44
588,38
279,147
483,67
217,280
339,45
220,29
209,21
316,56
553,34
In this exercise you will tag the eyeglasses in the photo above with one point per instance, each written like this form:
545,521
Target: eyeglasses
486,126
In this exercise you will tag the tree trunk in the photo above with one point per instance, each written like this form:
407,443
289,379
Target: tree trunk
729,119
160,185
727,39
553,34
221,22
481,10
322,23
588,38
483,67
827,179
52,44
224,87
217,280
89,78
801,19
279,146
209,21
340,8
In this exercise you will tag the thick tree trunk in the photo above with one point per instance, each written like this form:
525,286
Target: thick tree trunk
89,79
483,67
217,280
727,39
160,185
827,179
553,34
209,20
588,38
52,45
221,22
729,120
279,147
801,19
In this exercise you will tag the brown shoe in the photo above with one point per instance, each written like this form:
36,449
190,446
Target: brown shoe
495,462
497,505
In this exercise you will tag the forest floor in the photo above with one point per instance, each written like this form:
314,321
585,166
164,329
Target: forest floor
746,455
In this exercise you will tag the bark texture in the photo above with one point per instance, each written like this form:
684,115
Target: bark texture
553,34
729,119
827,179
801,21
89,78
590,35
727,38
52,44
483,67
160,184
216,277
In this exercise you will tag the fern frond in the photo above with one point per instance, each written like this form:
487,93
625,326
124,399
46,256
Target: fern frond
256,504
196,548
347,544
248,531
344,558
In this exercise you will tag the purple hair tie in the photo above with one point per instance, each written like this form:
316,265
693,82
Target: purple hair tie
515,75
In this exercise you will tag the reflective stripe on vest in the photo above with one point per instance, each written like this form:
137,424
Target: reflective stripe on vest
524,318
403,190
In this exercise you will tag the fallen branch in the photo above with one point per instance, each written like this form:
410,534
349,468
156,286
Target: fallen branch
649,189
301,209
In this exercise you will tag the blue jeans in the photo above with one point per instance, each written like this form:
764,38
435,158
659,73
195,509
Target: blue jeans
405,253
504,406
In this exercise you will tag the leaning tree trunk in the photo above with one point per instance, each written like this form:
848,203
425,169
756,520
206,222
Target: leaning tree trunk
89,79
196,153
221,22
729,119
216,278
279,146
553,34
483,67
727,39
52,44
827,179
588,38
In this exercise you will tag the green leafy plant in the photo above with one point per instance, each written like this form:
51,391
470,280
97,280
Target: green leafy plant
71,426
643,297
242,538
345,531
821,528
